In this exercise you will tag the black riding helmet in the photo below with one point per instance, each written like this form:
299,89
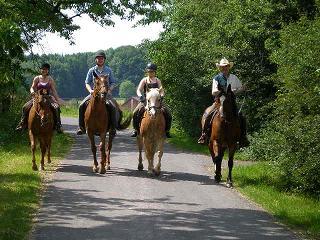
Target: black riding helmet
100,53
45,66
151,66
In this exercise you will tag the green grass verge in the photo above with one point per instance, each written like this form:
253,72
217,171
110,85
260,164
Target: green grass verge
260,183
20,188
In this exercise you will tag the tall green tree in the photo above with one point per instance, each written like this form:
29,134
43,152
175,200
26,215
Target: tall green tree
127,89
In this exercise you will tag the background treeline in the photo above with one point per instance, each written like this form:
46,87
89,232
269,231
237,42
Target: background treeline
70,71
275,45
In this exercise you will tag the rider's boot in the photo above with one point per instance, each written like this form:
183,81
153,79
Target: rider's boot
203,138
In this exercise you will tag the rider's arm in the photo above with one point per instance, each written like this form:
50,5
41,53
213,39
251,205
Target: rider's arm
140,89
54,92
236,85
215,90
89,80
160,87
34,84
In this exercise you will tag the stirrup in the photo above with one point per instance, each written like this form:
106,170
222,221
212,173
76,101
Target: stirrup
134,133
80,131
202,139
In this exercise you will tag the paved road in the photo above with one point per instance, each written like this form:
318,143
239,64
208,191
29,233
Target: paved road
183,203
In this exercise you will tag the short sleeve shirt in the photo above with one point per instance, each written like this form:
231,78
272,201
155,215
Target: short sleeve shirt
106,71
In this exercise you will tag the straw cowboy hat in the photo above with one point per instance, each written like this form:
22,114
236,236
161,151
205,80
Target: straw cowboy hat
224,62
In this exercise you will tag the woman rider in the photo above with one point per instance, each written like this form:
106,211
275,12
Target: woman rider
151,81
46,82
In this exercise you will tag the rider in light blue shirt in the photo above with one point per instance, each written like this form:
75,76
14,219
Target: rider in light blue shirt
105,71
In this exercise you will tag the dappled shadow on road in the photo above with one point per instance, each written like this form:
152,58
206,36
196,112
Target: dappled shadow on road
124,218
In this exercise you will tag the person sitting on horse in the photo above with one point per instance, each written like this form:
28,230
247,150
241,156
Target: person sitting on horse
101,70
222,80
43,82
151,81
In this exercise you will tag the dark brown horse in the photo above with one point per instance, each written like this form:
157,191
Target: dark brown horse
152,132
96,120
225,132
40,125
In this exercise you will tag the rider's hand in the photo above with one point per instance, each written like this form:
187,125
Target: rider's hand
91,91
142,98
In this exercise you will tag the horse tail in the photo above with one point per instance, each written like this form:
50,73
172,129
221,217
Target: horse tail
124,122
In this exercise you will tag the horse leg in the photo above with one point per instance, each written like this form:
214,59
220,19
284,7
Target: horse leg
94,151
149,155
109,146
49,148
43,147
157,169
33,144
232,150
103,153
140,146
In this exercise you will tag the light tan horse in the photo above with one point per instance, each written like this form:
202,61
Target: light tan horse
40,125
96,120
152,132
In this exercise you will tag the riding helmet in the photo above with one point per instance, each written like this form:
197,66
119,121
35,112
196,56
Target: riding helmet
100,53
45,66
151,67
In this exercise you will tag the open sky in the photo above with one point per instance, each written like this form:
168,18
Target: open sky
92,37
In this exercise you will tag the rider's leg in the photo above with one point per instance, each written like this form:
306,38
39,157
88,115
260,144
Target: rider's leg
168,118
243,142
82,108
57,119
23,124
205,122
111,108
136,119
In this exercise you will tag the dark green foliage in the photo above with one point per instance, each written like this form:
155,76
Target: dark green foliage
70,71
292,139
127,89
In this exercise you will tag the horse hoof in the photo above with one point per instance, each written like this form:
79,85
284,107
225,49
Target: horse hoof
229,185
217,179
157,173
49,161
108,168
140,167
34,168
102,170
150,173
95,169
42,168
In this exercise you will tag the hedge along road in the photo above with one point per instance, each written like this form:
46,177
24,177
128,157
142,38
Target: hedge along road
184,202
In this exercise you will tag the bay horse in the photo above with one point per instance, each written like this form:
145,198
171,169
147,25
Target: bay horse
225,132
41,126
96,120
152,132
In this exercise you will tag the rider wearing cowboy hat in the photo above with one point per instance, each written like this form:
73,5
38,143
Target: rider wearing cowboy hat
223,79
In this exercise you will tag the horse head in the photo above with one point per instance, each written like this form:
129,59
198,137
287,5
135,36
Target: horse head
227,104
42,102
153,101
101,84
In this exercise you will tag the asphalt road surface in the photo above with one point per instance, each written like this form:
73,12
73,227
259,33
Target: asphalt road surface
184,202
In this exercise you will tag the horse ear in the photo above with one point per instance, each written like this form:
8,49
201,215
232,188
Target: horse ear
95,74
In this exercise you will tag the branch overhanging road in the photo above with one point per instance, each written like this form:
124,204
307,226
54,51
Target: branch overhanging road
184,202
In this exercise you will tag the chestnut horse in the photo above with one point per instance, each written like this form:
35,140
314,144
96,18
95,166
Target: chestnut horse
225,132
152,132
41,126
96,120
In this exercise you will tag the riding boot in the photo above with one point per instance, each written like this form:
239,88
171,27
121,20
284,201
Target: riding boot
58,125
168,119
23,124
113,118
81,129
136,119
243,142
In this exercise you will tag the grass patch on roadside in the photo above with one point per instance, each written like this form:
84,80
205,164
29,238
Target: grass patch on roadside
262,185
20,188
70,108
